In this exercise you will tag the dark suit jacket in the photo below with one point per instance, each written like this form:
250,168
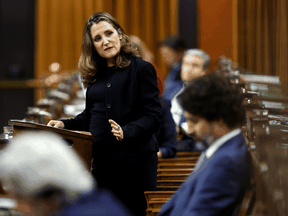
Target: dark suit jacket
100,202
132,101
217,186
166,135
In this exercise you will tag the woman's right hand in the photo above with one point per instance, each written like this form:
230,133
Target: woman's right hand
57,124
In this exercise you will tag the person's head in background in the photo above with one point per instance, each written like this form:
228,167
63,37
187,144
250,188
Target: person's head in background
195,63
142,48
213,107
104,43
172,49
43,171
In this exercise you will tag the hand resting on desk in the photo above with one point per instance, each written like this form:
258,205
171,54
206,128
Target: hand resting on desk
57,124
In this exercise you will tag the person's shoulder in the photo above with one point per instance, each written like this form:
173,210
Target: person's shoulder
95,203
233,151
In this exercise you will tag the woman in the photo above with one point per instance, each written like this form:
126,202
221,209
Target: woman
122,112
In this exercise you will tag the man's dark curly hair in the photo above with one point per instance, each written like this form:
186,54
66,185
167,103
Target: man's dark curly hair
214,97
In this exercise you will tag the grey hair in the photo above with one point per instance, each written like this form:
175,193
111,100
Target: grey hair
200,53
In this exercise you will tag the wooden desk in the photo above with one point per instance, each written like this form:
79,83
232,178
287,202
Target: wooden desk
81,142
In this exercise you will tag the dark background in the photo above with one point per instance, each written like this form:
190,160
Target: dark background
188,22
17,34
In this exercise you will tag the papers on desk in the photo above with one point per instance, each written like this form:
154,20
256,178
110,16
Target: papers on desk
7,203
274,105
260,78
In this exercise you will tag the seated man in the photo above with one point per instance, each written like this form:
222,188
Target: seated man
41,170
195,63
215,112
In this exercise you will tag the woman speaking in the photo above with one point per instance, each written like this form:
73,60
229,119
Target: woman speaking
122,112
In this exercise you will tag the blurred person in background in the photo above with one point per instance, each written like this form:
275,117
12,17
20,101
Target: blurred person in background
166,134
172,49
195,64
40,169
123,112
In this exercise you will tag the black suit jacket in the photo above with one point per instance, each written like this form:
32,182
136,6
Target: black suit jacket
132,101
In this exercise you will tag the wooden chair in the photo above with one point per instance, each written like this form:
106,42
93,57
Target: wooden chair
167,188
172,176
169,182
178,160
176,165
247,203
156,195
152,211
188,154
155,199
175,171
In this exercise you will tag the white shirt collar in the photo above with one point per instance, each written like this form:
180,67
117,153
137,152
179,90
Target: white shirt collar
176,110
219,142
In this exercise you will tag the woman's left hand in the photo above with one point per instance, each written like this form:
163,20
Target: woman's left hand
116,130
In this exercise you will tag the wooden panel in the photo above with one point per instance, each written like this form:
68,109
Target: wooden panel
160,32
78,26
250,35
121,13
42,36
108,7
173,17
65,38
235,30
89,8
259,41
242,34
81,142
99,6
135,18
148,22
266,48
264,39
53,32
215,28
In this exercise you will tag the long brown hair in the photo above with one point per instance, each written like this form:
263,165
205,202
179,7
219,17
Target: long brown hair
90,61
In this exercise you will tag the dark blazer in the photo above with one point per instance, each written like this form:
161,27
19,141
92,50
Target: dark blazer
166,135
132,101
100,202
217,186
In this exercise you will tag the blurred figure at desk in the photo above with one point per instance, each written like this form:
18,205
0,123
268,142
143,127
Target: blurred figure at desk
195,64
41,170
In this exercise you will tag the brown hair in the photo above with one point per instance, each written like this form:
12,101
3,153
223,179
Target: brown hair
90,61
